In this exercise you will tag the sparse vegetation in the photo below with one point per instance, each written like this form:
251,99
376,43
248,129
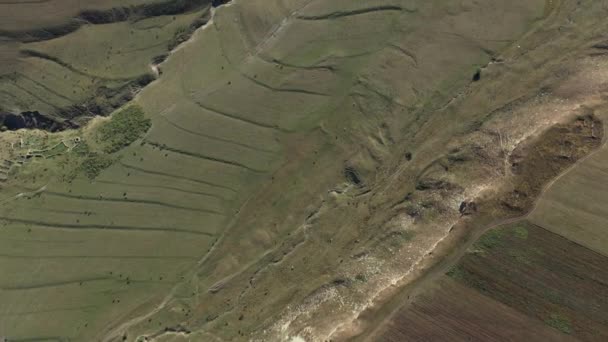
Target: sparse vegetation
491,239
457,272
559,322
553,296
520,232
520,255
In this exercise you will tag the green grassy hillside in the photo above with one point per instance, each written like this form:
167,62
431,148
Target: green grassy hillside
294,163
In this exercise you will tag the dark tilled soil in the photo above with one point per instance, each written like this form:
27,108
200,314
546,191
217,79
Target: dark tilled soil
453,312
542,275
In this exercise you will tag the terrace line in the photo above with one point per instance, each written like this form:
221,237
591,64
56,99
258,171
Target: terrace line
53,284
211,137
194,180
128,200
342,14
205,157
238,118
102,227
200,193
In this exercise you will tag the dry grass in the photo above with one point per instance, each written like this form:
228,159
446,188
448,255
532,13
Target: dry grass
232,216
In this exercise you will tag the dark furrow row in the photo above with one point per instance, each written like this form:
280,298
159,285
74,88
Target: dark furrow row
129,200
329,67
192,192
42,55
41,85
285,90
170,175
102,227
405,52
27,91
53,284
238,118
137,257
26,313
22,2
228,141
342,14
205,157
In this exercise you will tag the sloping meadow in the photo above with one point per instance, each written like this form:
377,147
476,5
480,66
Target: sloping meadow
288,173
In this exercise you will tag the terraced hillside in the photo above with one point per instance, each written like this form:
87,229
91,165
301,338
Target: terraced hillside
296,169
85,58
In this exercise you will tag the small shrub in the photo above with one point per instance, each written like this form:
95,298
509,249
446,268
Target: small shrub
361,277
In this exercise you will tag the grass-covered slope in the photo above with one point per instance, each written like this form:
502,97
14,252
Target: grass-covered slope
87,59
299,156
262,83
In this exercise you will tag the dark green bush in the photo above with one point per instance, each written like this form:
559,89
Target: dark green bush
124,128
95,163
